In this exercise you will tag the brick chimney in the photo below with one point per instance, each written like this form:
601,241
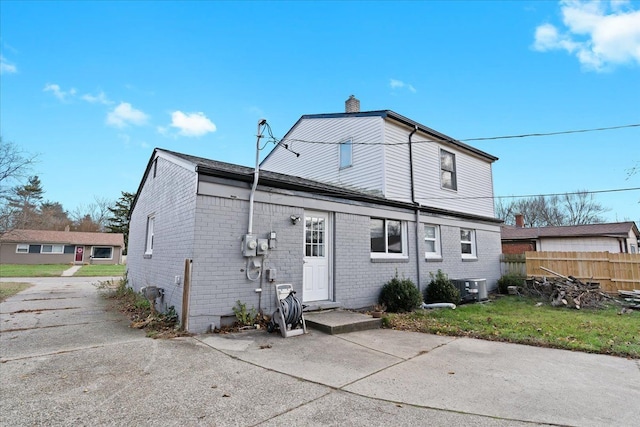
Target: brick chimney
352,105
519,220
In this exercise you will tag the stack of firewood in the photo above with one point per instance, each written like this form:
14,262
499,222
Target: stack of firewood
632,298
566,291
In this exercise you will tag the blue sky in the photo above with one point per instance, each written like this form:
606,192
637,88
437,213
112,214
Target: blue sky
95,86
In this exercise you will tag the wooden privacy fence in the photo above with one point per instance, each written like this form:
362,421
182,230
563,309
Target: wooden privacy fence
613,271
513,264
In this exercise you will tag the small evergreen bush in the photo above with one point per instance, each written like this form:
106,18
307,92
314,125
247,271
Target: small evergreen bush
400,295
441,289
510,279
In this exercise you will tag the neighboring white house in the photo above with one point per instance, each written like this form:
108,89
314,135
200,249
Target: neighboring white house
617,237
337,222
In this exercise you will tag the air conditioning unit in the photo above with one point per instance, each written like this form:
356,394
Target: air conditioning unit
471,290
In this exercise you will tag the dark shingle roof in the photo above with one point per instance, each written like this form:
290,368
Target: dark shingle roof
63,237
245,174
616,229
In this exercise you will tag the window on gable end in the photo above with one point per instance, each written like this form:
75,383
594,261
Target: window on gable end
149,242
346,153
448,178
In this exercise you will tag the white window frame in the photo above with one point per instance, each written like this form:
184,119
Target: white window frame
403,237
93,248
437,253
148,250
55,249
453,172
471,242
22,248
345,153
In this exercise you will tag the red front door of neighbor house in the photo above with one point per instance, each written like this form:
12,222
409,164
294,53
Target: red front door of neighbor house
79,253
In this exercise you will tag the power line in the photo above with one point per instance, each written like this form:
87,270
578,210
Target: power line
616,190
564,132
490,138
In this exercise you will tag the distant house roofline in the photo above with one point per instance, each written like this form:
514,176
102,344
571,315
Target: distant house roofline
614,229
63,237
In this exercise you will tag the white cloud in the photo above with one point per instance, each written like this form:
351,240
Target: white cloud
7,67
124,114
58,92
600,34
190,124
398,84
100,98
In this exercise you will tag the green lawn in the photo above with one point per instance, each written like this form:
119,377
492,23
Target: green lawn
519,320
8,289
101,270
40,270
52,270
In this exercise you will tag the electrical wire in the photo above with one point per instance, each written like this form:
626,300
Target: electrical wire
491,138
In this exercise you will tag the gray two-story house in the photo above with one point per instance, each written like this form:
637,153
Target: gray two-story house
366,195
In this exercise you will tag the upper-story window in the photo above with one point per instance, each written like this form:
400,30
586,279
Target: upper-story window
448,170
388,238
346,153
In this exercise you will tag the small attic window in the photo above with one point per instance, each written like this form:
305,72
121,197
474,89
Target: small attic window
346,154
155,167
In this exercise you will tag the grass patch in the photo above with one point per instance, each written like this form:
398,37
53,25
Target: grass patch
9,289
519,320
95,270
37,270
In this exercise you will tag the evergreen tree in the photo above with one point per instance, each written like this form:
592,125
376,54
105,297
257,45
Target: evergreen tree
24,201
119,221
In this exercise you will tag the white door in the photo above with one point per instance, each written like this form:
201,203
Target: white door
316,257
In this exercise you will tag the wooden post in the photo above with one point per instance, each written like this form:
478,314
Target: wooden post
186,285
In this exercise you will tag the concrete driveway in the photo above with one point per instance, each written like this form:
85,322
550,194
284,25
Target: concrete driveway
66,360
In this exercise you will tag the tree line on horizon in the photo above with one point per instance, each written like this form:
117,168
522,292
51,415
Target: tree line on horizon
23,206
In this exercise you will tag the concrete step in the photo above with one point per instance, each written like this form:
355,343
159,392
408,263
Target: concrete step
340,321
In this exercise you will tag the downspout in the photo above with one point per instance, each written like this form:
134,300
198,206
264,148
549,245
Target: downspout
417,205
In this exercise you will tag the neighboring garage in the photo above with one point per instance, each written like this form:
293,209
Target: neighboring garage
60,247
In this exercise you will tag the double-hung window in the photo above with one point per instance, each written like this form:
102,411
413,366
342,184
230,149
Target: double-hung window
432,241
448,177
468,243
22,248
388,238
149,243
346,154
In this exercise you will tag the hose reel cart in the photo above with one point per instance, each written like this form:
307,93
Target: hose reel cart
288,316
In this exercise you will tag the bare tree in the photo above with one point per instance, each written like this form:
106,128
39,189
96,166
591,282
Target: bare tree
93,216
542,211
14,163
581,208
